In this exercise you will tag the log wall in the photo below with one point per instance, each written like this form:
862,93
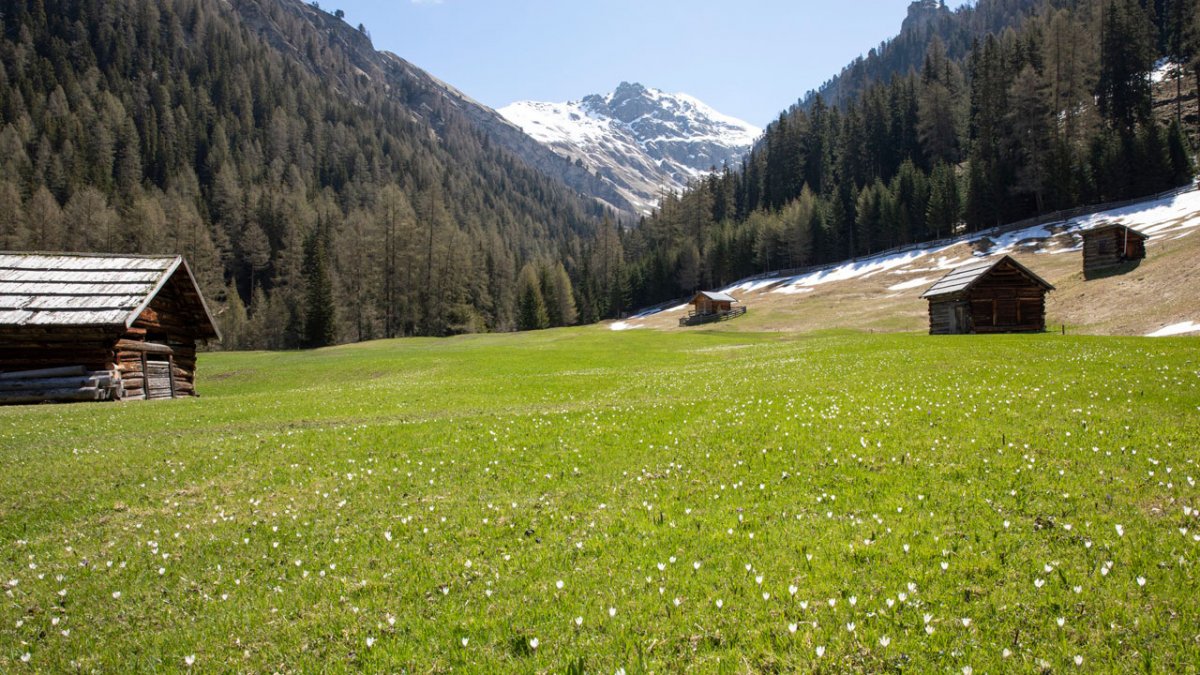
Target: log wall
1007,301
157,355
1110,247
942,319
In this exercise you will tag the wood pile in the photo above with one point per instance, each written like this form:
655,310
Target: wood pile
67,383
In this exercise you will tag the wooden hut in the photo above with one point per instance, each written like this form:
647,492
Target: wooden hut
999,296
710,306
1110,245
97,327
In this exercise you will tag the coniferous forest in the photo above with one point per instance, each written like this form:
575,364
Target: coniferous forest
317,204
969,119
313,205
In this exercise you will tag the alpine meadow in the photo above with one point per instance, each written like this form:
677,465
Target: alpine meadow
310,362
596,500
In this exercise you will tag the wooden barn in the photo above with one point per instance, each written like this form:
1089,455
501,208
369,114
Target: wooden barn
708,306
1110,245
999,296
86,327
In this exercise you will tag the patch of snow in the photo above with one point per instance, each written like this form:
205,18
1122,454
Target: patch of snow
793,290
1164,69
911,283
1152,217
623,325
1176,329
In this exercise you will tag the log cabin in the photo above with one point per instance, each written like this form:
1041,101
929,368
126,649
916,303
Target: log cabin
999,296
1109,246
709,306
92,327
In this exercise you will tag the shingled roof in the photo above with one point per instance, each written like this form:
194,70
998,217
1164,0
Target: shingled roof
87,289
716,296
962,278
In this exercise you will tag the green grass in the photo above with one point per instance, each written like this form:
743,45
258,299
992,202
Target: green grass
372,506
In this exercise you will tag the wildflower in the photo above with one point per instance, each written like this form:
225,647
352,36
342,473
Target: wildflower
189,659
820,651
533,643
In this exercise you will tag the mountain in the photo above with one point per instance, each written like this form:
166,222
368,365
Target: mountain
640,140
292,163
427,97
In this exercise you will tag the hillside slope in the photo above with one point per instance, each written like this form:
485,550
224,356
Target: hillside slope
883,293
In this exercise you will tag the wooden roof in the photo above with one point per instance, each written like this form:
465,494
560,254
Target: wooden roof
963,278
88,289
715,296
1114,226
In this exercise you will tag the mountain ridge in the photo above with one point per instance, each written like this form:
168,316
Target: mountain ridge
641,140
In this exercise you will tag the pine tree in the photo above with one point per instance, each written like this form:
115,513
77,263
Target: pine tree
531,307
319,316
1126,56
1181,167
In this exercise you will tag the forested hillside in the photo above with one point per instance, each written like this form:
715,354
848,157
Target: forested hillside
316,201
1030,108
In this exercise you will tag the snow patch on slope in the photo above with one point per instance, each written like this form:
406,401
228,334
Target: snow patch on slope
1176,329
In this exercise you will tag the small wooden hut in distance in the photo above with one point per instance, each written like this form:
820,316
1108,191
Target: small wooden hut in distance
1110,245
97,327
999,296
708,306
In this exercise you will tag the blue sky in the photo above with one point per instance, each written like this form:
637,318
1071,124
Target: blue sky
746,58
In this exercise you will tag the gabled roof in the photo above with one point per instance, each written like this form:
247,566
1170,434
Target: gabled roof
963,278
715,296
88,289
1115,226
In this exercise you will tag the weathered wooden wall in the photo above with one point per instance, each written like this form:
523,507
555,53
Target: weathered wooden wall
941,317
1110,247
1005,300
157,355
28,347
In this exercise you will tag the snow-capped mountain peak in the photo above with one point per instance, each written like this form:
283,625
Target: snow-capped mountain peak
640,139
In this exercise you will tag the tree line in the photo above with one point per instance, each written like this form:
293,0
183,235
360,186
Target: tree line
1051,112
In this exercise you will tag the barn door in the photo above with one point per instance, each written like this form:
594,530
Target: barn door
160,372
958,319
160,381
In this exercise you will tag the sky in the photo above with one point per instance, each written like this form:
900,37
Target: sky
746,58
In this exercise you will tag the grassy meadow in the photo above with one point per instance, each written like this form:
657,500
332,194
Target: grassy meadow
645,501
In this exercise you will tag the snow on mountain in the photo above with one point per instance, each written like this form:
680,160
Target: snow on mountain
639,139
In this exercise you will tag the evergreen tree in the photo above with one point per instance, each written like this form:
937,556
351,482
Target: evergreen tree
319,316
1126,56
531,307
